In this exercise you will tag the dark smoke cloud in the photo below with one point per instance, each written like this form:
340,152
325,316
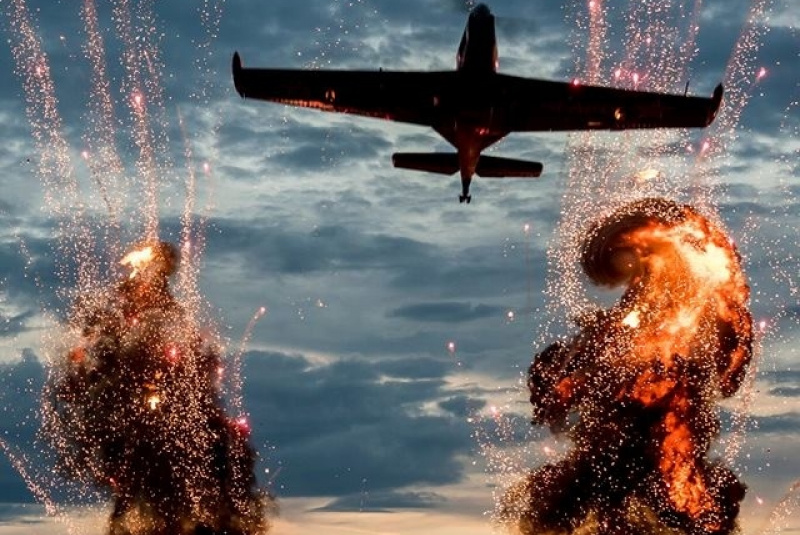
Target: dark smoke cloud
636,388
132,407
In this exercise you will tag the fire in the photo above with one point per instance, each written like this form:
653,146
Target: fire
636,387
153,400
138,259
135,407
633,319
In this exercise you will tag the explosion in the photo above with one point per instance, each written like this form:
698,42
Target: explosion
133,408
636,388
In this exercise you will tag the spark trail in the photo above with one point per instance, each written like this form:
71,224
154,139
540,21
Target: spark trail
636,388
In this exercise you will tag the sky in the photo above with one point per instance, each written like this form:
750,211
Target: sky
364,414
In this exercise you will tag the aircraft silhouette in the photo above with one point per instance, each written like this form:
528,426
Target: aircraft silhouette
474,106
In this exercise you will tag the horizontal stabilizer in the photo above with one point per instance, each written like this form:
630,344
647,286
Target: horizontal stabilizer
444,163
494,167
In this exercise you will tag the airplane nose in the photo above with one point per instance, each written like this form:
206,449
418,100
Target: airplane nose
480,11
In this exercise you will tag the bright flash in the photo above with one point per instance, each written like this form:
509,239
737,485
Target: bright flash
646,175
172,354
510,315
762,72
243,424
137,99
451,347
137,260
153,400
632,320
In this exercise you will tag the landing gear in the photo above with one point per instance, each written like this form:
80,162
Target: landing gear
462,198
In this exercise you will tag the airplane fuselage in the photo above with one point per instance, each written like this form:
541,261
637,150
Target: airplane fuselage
472,130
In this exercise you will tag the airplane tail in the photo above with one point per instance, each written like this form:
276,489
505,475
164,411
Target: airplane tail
444,163
494,167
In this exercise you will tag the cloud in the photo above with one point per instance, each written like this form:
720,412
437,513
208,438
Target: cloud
785,392
445,312
22,513
20,386
334,425
383,501
462,406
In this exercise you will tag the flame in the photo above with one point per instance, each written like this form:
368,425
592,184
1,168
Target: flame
633,319
636,387
138,259
152,401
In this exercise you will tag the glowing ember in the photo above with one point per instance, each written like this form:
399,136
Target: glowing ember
636,388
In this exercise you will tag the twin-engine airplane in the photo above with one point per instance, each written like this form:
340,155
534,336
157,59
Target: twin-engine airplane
474,106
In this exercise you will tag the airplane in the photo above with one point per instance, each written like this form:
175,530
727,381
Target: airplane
474,106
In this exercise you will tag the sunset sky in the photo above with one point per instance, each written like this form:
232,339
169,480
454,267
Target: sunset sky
365,419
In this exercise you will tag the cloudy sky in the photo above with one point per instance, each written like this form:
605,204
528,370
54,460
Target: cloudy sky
364,415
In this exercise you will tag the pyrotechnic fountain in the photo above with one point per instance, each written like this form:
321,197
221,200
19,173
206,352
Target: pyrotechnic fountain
133,406
636,389
134,403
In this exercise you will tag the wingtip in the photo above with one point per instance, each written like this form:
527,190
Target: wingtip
718,92
716,102
236,67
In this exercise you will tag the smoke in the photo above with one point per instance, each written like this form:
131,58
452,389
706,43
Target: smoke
132,407
636,388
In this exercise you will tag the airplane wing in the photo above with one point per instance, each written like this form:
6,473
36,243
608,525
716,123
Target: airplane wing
539,105
397,96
